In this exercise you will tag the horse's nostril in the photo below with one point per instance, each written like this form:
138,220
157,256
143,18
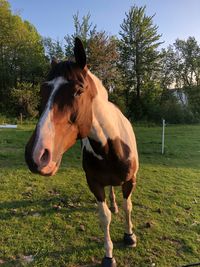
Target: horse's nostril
45,156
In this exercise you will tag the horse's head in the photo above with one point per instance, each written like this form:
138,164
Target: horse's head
66,101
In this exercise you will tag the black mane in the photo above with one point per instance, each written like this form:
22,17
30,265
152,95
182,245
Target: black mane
67,69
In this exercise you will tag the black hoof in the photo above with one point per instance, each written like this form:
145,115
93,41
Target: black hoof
108,262
114,209
130,240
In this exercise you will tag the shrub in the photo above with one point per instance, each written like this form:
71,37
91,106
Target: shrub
25,99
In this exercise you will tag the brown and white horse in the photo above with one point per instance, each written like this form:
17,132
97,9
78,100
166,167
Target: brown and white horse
75,106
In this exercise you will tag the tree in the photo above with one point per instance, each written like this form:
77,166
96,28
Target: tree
139,55
187,57
101,49
22,57
53,48
181,64
181,70
30,58
83,29
25,99
168,68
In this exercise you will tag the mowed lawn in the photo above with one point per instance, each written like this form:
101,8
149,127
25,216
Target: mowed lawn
53,221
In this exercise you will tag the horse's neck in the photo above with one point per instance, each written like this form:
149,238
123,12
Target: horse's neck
101,90
109,125
105,119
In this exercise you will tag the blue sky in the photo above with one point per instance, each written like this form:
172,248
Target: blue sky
175,18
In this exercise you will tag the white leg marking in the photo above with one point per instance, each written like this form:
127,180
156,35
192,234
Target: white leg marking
105,219
127,205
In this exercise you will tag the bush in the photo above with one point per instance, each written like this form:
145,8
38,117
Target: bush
193,96
118,100
172,111
25,99
7,120
176,112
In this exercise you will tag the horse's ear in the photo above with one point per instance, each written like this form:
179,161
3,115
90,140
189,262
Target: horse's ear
79,53
54,61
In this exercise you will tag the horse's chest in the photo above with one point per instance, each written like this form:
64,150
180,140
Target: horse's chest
109,165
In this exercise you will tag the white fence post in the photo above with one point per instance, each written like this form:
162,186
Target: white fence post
163,136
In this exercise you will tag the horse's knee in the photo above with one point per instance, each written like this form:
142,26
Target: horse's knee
127,205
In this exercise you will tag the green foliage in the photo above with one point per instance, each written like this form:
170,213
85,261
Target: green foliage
118,100
101,49
53,49
181,63
83,29
193,95
174,111
22,56
151,101
138,54
133,69
102,59
187,54
167,67
25,99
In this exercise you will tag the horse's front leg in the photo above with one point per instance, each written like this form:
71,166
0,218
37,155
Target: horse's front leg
129,236
113,203
105,220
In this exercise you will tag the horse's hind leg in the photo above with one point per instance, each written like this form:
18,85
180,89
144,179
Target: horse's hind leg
129,236
113,204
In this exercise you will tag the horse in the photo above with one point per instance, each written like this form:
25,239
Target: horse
75,106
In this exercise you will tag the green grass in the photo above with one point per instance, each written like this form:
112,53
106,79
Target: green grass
52,221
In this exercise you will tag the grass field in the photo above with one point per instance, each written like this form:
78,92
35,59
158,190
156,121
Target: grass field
53,221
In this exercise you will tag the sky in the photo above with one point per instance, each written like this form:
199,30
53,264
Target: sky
174,18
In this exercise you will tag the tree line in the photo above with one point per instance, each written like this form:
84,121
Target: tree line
142,78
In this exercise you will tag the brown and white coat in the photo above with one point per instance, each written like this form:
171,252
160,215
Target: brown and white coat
75,106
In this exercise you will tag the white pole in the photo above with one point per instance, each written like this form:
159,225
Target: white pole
163,137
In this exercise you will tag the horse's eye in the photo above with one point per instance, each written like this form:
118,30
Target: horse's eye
78,92
73,118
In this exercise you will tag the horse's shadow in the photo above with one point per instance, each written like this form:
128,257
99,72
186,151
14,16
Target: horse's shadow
44,206
52,255
24,207
21,208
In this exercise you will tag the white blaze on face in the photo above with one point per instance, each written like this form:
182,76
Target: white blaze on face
45,128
